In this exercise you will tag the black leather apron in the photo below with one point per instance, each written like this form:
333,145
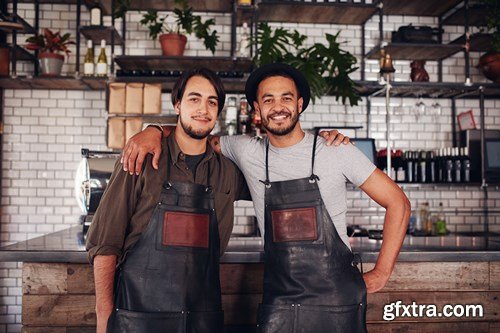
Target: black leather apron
311,280
169,280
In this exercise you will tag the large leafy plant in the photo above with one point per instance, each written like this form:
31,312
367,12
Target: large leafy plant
326,67
50,42
493,22
185,23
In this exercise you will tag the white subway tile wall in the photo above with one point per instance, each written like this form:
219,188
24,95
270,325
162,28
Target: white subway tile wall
45,130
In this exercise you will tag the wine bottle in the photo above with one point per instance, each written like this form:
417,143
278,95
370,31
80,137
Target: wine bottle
457,168
449,166
88,62
244,49
102,61
466,165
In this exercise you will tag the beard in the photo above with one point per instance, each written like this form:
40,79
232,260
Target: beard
195,134
294,119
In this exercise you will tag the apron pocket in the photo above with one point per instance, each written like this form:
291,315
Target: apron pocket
206,322
125,321
331,319
298,224
275,319
186,229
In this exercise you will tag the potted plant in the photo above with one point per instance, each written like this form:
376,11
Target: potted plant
50,45
489,62
326,67
173,39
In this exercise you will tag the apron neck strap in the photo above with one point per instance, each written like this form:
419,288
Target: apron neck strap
313,177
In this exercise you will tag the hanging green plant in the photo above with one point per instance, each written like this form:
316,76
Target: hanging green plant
326,67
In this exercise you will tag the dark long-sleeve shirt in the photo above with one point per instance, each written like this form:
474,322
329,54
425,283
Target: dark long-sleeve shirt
129,200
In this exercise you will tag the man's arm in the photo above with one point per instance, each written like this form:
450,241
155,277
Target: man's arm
138,146
389,195
104,276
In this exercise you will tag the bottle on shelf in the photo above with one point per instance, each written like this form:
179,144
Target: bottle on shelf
409,167
465,165
231,116
422,167
102,61
457,167
431,167
449,166
95,15
244,49
243,116
88,62
440,224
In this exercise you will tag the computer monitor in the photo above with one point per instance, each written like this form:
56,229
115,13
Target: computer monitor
492,159
367,146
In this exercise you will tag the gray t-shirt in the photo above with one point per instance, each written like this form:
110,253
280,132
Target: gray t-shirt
333,165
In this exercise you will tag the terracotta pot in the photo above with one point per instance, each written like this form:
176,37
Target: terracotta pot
51,63
489,63
173,44
4,61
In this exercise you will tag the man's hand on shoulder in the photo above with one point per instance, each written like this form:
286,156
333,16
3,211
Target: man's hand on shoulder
335,137
138,146
214,141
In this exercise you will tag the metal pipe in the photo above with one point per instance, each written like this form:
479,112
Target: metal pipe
14,43
388,123
440,40
363,51
454,121
233,28
78,23
368,116
467,42
112,71
37,27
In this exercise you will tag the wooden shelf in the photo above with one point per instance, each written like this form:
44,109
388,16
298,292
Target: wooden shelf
419,7
477,16
307,12
106,4
98,33
26,28
224,6
236,85
162,63
478,42
414,51
58,82
428,89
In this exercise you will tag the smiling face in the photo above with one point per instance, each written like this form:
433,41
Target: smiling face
279,104
198,107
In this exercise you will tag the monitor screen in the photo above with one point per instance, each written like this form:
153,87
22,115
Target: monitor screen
492,154
367,146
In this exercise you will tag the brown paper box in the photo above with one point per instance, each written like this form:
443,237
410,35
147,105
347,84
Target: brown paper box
116,97
132,127
134,97
152,98
116,133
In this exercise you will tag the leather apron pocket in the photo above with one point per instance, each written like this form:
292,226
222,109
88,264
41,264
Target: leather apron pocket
275,318
205,322
294,224
125,321
331,319
186,229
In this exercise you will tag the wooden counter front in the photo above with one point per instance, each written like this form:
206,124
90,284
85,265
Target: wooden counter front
59,297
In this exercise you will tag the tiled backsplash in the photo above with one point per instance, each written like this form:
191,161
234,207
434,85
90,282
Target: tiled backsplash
44,131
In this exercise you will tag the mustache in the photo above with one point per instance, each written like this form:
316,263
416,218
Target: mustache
201,118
